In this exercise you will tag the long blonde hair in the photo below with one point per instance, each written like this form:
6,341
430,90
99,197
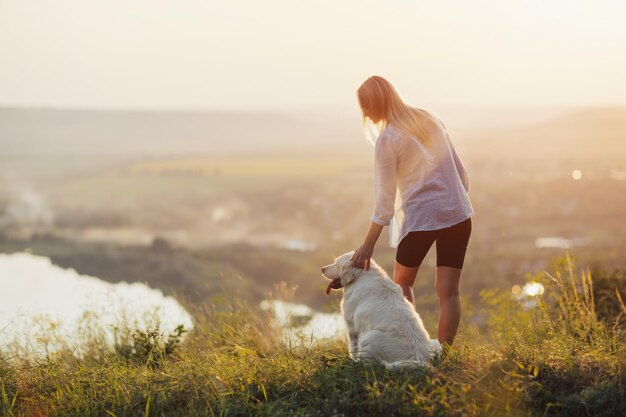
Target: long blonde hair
383,102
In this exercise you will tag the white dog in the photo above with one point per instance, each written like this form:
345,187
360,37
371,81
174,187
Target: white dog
382,324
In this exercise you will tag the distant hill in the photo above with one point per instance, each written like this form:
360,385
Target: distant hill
593,133
590,133
33,131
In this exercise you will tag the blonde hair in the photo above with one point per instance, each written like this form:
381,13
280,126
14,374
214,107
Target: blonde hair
378,99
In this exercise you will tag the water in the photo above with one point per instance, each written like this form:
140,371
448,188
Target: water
618,175
528,295
44,307
298,245
559,242
300,322
553,242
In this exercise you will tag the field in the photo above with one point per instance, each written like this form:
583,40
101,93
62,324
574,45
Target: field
223,231
566,357
260,206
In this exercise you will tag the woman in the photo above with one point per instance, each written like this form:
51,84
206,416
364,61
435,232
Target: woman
414,154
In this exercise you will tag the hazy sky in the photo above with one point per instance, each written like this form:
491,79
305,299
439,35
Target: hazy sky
295,55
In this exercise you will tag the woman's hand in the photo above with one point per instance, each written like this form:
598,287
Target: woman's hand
362,256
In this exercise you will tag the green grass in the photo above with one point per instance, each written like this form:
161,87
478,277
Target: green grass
202,178
564,358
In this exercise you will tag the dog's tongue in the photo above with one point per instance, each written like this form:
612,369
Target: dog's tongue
334,284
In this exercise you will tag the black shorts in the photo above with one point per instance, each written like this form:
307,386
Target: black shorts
451,245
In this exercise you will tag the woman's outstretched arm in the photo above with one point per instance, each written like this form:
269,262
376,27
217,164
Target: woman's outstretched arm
385,177
363,254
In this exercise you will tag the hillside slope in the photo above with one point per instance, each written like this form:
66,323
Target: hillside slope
562,359
585,134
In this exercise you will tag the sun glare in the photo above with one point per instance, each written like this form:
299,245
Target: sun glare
533,289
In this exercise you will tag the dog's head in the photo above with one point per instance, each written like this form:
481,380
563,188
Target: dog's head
341,272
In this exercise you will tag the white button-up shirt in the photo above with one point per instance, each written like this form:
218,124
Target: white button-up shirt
431,183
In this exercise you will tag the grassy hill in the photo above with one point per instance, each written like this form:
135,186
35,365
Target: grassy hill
597,133
566,357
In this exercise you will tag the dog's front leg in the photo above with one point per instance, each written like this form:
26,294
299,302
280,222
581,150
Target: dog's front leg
354,344
353,335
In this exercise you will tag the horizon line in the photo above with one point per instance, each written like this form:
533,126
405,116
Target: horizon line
164,109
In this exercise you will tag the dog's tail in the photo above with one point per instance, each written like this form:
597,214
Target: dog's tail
405,364
436,349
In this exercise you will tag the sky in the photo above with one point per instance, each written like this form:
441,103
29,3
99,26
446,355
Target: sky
290,55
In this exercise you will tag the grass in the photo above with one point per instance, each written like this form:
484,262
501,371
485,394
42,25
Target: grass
202,178
269,166
565,357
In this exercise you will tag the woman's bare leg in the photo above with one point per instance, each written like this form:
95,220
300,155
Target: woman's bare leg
447,285
404,276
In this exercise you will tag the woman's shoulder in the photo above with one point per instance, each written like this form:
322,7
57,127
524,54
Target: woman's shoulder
386,143
398,136
391,132
387,134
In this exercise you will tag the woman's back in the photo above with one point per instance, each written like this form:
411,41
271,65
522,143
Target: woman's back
432,182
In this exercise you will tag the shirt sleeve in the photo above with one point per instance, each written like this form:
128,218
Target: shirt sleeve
385,176
459,166
457,161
